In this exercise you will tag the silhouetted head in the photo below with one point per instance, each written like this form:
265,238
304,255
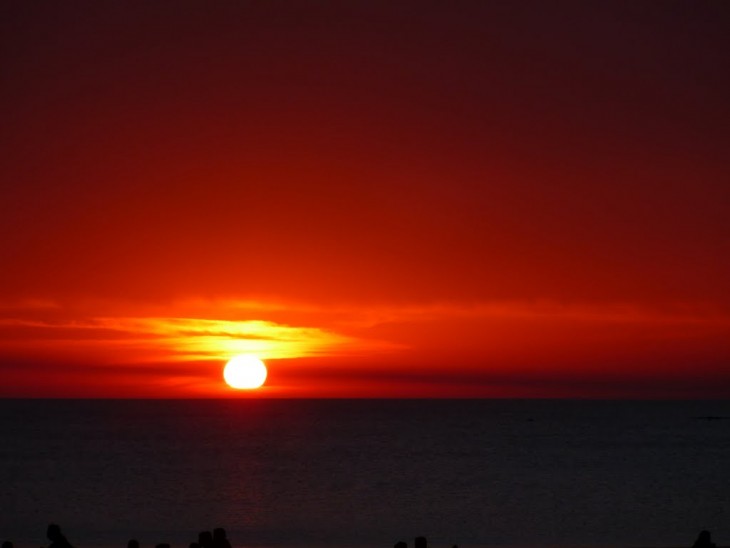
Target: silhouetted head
400,544
219,534
7,544
54,532
704,540
420,542
133,543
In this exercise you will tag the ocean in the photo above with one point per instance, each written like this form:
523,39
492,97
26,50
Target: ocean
365,473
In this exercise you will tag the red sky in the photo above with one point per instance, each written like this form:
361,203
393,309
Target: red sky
462,199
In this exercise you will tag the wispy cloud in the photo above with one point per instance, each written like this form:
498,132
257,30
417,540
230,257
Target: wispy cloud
203,339
175,339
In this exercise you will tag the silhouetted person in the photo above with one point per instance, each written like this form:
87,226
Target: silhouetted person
420,542
133,543
704,540
220,540
400,544
7,544
56,537
205,539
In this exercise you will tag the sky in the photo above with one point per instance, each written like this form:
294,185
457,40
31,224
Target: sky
379,199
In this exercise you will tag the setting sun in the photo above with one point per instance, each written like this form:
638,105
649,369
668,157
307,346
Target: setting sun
245,371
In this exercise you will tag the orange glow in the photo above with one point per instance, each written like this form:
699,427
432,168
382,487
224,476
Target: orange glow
492,349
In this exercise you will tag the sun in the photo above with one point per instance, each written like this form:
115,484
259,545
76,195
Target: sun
245,371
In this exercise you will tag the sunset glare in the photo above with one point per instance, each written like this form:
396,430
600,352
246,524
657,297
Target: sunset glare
245,372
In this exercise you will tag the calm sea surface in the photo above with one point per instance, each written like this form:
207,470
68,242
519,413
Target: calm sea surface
288,473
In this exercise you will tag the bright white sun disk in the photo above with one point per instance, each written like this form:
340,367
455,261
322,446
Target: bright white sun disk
245,371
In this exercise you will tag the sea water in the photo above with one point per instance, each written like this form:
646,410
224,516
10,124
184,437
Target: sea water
357,473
